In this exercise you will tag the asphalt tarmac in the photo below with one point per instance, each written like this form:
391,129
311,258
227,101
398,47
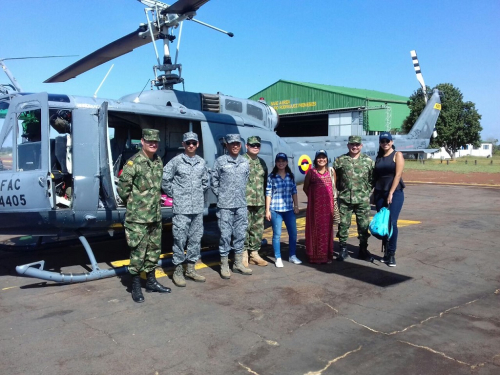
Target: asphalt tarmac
435,313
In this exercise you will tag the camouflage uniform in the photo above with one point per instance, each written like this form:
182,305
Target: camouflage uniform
140,189
354,184
256,200
229,180
185,179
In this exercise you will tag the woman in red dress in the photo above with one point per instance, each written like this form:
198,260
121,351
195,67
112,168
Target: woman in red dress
319,218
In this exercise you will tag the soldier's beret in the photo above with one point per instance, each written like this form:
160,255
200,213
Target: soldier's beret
354,139
253,139
151,135
231,138
189,136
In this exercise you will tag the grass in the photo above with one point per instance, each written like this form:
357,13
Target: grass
466,164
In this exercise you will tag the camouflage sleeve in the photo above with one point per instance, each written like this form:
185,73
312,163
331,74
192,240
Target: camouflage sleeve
125,182
205,182
168,177
215,179
371,177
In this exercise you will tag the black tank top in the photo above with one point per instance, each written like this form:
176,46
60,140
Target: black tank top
385,170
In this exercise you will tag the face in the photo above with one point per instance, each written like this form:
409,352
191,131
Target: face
190,146
321,160
385,144
281,164
149,147
234,148
253,148
354,148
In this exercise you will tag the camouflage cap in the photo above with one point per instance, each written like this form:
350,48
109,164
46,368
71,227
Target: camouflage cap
189,136
253,139
354,139
151,135
231,138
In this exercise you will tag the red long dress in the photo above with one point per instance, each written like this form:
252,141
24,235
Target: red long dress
319,218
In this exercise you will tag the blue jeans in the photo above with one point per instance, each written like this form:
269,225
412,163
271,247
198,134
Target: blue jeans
291,226
398,198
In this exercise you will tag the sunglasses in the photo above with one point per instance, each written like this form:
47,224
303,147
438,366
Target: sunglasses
385,141
254,145
190,143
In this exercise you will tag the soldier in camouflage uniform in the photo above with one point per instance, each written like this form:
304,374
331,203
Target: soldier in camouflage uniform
229,180
354,183
256,202
139,188
185,180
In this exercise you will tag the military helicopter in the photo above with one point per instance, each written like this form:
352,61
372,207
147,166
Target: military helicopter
61,155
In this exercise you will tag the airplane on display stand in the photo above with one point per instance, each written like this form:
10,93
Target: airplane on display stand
60,155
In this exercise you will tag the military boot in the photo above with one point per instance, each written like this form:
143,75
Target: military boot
245,258
343,254
364,254
256,259
137,295
193,275
239,267
224,268
178,276
152,285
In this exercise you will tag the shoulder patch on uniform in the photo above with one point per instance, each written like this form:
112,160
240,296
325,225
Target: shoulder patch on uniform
130,162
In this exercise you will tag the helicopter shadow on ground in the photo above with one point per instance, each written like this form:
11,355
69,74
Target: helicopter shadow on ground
375,273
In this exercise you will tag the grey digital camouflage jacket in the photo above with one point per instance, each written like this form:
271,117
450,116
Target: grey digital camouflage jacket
185,180
229,181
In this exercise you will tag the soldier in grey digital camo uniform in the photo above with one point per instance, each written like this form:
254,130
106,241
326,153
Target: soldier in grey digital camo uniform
185,180
140,189
229,180
256,202
354,184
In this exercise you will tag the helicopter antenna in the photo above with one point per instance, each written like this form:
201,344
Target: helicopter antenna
418,72
136,100
106,76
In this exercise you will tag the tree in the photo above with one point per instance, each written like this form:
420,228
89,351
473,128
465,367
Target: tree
458,123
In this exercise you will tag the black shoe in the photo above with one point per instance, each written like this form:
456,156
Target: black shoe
343,254
385,259
136,289
152,285
392,261
364,254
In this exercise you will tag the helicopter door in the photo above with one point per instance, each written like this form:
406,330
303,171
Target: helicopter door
107,194
28,185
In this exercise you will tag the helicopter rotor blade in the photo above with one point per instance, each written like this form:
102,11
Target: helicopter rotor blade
184,6
114,49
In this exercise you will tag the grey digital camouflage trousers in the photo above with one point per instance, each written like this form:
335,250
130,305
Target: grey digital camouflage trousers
255,229
233,223
144,241
362,212
187,228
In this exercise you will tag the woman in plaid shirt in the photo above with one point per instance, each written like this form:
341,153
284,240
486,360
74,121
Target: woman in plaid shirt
282,205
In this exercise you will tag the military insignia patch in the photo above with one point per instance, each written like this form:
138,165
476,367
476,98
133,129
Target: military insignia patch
130,162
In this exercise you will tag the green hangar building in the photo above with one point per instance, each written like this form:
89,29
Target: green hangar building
309,109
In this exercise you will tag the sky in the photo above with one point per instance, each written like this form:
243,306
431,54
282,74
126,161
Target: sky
357,43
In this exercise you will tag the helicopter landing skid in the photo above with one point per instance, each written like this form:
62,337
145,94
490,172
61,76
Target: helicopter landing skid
36,270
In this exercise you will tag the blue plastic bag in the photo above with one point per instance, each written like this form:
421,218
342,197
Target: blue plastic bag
380,226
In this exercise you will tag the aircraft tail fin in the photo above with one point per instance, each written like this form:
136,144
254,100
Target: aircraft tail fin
425,125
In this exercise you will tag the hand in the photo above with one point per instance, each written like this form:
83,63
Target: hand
389,198
296,210
268,215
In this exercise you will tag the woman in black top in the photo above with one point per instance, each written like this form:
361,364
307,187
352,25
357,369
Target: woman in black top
389,187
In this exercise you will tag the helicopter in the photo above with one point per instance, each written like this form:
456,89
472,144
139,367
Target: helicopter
61,155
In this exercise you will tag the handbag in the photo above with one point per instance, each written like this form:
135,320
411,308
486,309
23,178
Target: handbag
380,226
336,212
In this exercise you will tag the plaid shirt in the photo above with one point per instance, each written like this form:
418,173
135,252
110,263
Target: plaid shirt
281,191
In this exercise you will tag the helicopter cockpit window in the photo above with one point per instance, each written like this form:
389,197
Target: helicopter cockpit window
234,105
29,147
255,111
6,151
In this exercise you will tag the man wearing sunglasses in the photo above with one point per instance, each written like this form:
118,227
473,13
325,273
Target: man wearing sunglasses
229,182
354,184
185,180
256,203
